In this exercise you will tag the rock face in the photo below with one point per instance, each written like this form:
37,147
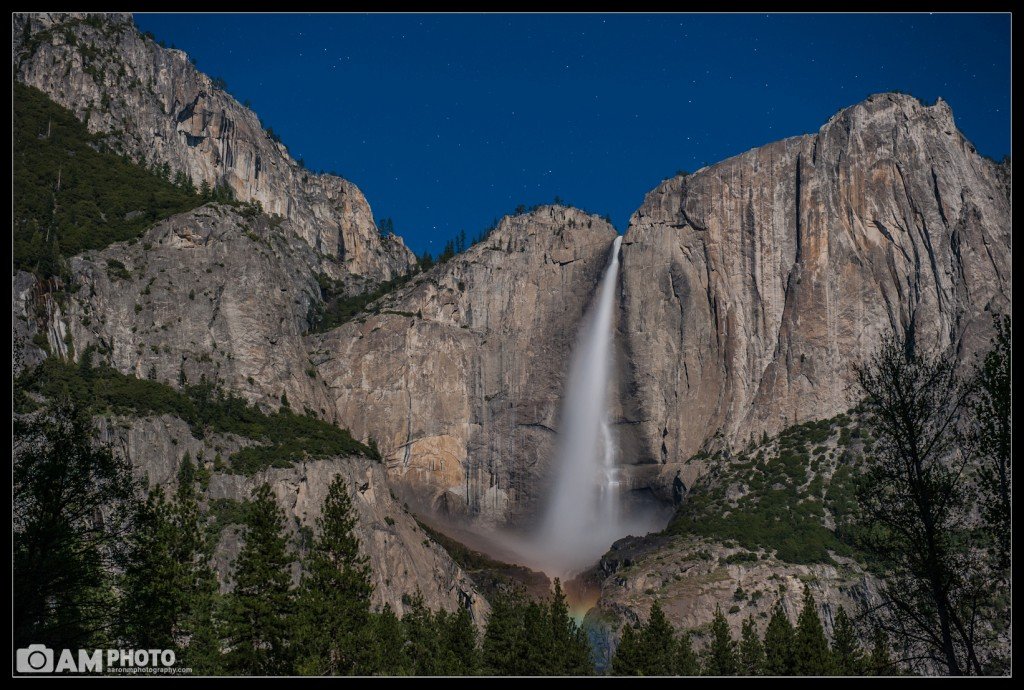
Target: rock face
750,287
689,577
154,105
29,309
211,294
403,558
459,376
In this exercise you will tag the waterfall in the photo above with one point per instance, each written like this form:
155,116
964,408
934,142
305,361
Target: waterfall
586,512
583,514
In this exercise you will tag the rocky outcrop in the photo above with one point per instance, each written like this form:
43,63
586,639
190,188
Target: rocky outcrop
459,375
752,286
758,527
403,558
690,577
29,309
154,105
211,294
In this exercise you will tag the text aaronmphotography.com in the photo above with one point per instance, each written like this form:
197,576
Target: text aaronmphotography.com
40,659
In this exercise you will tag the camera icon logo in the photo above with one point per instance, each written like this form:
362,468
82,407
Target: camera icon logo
36,658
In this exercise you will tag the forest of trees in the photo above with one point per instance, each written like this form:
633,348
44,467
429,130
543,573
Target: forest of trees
73,193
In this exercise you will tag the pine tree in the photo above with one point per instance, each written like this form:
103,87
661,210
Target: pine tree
334,598
193,552
502,636
533,654
386,226
686,663
460,639
259,611
879,663
658,644
752,658
448,253
442,659
847,657
153,599
811,651
650,649
385,643
203,653
425,646
628,659
720,655
569,652
63,555
779,642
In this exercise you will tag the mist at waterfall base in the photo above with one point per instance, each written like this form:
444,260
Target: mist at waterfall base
585,513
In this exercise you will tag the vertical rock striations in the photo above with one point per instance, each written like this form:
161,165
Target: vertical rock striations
752,286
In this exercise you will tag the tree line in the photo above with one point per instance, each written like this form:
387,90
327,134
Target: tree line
73,193
461,242
655,648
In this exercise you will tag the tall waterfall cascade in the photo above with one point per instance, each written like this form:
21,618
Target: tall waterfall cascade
584,512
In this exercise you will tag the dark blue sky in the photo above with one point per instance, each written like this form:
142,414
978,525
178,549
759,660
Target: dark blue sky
448,121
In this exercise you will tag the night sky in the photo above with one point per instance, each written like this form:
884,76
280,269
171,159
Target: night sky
449,121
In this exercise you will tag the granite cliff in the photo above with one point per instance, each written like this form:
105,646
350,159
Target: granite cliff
752,286
459,375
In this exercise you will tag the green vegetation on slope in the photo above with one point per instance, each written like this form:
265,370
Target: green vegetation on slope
71,193
338,307
788,485
284,437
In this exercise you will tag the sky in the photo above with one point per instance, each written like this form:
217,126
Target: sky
449,121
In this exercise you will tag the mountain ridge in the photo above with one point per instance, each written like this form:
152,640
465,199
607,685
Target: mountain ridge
158,108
